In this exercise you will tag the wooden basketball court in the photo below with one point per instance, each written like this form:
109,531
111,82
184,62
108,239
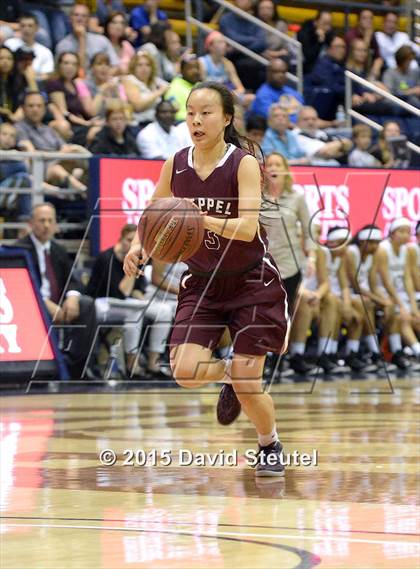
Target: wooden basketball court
62,508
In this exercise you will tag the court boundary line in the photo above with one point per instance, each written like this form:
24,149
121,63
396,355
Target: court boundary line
218,535
203,523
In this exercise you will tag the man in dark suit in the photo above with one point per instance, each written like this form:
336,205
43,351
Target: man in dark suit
61,292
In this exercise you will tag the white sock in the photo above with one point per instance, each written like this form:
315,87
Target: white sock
352,346
265,440
372,344
416,349
297,348
395,343
333,347
226,378
323,345
225,352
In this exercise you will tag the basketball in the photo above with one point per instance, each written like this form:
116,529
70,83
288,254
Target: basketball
171,230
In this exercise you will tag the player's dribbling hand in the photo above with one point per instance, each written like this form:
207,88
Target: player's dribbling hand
133,261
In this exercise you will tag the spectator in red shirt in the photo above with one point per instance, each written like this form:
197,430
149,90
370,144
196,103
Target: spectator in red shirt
364,30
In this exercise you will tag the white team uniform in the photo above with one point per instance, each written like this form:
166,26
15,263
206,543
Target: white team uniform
333,266
416,249
362,268
396,267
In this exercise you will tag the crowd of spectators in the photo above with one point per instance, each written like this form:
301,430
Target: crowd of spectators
78,80
80,62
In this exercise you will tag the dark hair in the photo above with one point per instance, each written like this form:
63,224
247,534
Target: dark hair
111,16
126,229
403,53
30,93
356,240
417,227
391,12
188,58
14,85
162,103
102,57
334,227
28,16
157,34
60,59
256,122
228,103
330,38
275,13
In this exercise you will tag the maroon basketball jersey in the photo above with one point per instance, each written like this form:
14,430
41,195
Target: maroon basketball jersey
218,195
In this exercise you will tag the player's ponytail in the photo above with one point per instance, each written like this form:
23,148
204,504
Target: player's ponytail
231,134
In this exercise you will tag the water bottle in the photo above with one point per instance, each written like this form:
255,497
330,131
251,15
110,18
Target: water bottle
340,116
113,369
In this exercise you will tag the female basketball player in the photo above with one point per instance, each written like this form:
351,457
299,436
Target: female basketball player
344,307
361,259
393,266
313,304
231,281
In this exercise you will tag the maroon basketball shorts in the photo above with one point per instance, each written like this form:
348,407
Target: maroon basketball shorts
252,305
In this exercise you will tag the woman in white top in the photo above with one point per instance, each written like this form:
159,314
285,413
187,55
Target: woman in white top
414,262
315,303
393,268
361,263
285,217
144,89
350,310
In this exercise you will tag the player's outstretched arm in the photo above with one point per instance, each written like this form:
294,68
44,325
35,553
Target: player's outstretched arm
244,227
135,256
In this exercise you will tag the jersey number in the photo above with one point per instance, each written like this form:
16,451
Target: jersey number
212,240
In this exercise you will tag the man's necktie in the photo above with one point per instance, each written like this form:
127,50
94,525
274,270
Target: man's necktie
52,279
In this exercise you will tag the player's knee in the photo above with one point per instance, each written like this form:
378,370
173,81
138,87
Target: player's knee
185,374
246,390
330,302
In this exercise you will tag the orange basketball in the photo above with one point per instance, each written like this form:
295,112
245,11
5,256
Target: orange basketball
171,230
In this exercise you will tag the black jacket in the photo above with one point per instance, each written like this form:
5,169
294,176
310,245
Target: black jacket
105,143
61,263
107,273
311,46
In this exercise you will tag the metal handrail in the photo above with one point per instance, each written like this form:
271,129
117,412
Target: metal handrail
38,157
379,127
17,154
356,6
350,76
298,78
256,21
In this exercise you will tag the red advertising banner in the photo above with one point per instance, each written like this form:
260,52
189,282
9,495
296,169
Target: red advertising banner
23,335
342,196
